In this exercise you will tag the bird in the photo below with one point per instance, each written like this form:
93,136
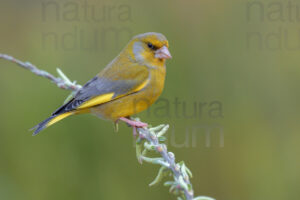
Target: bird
129,84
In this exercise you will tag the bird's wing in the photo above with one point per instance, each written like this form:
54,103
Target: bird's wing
112,84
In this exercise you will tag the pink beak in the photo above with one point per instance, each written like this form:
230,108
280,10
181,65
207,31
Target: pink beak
163,53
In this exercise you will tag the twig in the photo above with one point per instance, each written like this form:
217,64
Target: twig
62,82
180,172
149,139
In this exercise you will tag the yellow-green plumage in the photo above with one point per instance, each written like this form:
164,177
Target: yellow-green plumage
128,85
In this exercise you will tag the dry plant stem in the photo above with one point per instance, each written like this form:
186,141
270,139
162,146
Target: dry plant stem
149,137
61,82
168,158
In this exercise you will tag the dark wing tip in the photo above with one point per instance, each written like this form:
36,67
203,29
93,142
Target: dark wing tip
41,126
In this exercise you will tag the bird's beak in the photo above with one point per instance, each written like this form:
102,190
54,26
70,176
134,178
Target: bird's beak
163,53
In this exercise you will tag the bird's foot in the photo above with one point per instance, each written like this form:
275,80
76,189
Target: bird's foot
134,124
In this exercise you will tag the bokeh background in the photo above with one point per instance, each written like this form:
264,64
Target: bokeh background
235,64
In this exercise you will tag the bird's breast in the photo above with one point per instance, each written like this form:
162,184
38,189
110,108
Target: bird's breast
156,83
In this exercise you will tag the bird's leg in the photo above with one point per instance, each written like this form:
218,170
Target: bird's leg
133,123
116,126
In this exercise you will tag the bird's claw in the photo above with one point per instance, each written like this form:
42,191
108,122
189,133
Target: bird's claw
134,124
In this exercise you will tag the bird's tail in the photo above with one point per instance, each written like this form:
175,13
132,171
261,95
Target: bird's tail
51,120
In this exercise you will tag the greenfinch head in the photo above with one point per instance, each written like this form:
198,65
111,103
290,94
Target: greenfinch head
150,48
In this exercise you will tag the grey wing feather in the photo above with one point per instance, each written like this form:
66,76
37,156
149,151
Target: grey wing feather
94,87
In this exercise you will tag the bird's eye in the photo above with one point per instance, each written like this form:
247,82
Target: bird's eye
151,46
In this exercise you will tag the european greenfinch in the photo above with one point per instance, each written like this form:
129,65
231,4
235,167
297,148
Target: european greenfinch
129,84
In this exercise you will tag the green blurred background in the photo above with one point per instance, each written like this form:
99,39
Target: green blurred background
239,55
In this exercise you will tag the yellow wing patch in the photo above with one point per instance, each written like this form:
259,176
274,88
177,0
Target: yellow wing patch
108,97
96,101
58,118
140,87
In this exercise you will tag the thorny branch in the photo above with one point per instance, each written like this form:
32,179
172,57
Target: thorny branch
149,139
